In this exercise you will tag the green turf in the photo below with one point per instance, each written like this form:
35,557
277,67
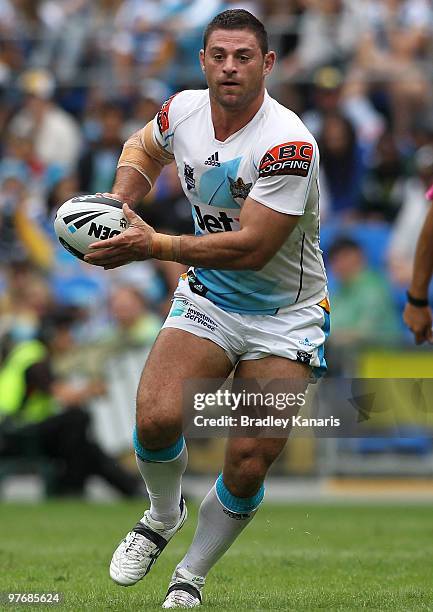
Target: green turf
298,557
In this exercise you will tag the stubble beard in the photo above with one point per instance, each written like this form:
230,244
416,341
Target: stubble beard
235,103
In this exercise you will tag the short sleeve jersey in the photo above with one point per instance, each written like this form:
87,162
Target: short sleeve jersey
274,160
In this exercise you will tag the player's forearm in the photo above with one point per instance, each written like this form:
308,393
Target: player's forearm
423,264
130,185
226,251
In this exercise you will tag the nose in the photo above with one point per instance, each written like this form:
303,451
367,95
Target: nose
229,67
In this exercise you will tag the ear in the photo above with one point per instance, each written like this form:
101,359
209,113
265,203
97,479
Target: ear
201,57
269,62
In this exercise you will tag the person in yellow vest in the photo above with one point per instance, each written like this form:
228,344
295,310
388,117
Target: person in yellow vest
42,415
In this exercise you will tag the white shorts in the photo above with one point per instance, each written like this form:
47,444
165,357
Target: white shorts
298,335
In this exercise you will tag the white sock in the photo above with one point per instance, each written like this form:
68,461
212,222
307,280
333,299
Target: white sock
222,517
162,472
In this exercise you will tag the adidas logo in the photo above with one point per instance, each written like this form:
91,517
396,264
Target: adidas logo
213,160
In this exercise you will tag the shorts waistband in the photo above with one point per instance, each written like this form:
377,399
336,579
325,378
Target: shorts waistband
200,289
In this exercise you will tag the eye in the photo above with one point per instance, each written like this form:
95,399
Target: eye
244,58
218,57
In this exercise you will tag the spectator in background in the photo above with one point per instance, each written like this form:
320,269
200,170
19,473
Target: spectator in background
99,48
11,48
97,166
133,324
383,184
342,166
56,135
325,97
328,33
26,299
21,234
8,16
422,130
66,29
282,18
141,47
151,95
62,190
46,415
363,312
410,219
396,35
40,177
333,91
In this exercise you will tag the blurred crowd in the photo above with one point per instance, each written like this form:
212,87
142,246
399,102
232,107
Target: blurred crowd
77,77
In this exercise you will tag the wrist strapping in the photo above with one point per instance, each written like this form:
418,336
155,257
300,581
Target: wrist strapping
165,247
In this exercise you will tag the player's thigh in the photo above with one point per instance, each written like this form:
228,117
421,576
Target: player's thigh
251,457
273,367
176,357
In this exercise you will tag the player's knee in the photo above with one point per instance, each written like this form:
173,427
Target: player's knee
247,474
254,469
157,431
247,466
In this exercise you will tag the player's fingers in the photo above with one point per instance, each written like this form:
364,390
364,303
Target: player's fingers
116,265
129,214
105,263
114,242
114,262
105,256
106,194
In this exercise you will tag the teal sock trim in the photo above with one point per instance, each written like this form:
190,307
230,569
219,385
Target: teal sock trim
237,504
164,454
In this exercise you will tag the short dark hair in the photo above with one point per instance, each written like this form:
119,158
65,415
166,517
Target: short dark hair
343,243
238,19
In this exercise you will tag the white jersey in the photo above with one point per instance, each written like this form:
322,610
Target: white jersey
274,160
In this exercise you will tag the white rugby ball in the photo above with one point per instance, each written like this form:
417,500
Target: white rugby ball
88,218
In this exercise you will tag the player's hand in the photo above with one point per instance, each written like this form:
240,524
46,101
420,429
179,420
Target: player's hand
115,196
419,321
134,244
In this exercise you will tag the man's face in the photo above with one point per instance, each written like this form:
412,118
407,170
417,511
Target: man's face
235,67
347,264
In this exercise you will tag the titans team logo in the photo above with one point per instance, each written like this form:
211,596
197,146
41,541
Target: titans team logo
239,189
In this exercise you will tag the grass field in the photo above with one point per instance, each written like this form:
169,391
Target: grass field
299,557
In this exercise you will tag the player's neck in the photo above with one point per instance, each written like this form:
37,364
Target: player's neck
229,121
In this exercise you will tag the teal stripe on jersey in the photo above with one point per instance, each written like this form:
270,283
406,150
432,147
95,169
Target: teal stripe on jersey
244,292
214,187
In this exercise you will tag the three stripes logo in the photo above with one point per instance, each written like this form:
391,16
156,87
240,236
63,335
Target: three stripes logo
76,220
213,160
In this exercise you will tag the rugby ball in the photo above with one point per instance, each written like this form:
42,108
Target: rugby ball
88,218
